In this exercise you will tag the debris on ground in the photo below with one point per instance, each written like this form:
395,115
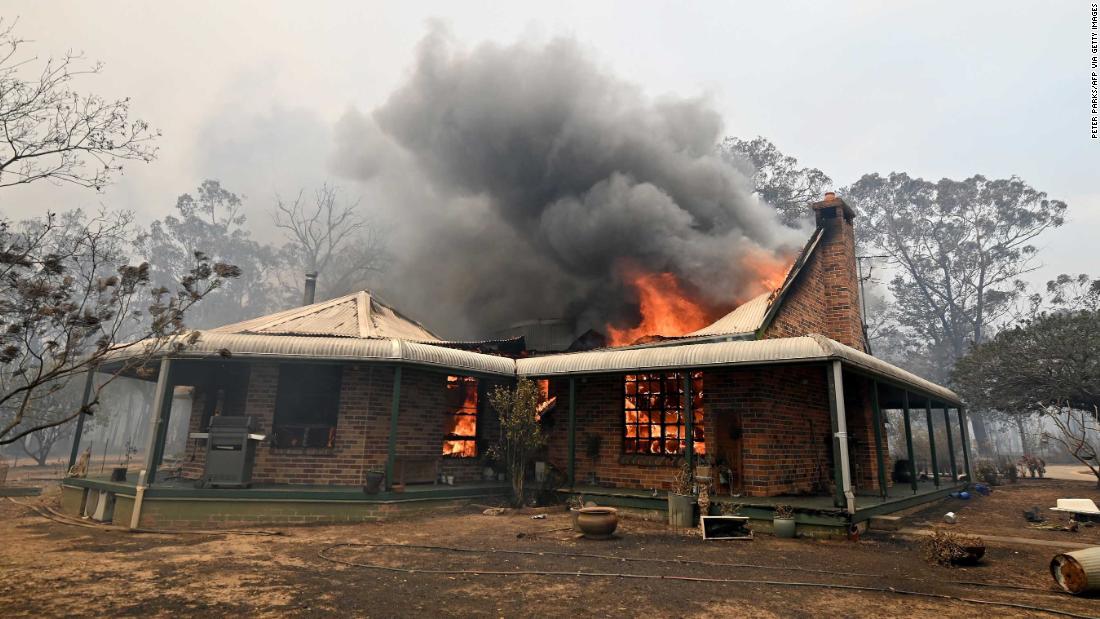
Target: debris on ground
494,511
946,548
950,518
1077,572
1033,515
538,517
1050,526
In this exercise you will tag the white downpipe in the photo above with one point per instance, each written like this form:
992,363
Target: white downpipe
842,438
139,496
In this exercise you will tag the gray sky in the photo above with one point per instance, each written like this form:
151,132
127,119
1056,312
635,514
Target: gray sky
249,92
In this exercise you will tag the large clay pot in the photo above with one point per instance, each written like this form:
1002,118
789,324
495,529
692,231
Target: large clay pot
681,510
783,527
597,522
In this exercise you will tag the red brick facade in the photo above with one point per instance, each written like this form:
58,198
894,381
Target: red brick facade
771,424
824,298
362,431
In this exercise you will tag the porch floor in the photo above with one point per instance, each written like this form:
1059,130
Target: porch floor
809,509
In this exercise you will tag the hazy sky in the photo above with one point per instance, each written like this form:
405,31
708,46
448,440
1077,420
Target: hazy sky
249,92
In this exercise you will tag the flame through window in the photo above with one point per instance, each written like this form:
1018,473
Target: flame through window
654,413
460,430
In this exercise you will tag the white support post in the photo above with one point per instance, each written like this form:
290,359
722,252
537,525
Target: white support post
152,446
842,437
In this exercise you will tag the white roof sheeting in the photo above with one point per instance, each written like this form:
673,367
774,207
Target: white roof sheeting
247,346
747,318
713,354
357,315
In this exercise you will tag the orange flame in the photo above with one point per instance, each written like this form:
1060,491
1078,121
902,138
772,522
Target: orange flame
666,309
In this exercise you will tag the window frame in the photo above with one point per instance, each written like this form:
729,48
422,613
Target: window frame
696,406
473,439
280,427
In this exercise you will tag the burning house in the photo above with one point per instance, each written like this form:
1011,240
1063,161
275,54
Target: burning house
780,397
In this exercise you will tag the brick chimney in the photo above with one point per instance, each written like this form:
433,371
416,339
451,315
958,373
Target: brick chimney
836,254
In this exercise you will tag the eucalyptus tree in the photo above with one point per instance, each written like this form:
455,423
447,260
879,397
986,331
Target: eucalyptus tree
957,251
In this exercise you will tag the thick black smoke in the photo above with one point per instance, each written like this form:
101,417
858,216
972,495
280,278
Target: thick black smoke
522,180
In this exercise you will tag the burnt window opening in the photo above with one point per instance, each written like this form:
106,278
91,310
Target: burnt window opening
548,398
653,413
224,392
307,403
460,423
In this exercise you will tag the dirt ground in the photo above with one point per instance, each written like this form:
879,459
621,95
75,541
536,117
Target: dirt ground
53,569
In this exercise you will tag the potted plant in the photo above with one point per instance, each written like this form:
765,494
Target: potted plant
783,521
118,473
575,504
373,483
488,463
681,498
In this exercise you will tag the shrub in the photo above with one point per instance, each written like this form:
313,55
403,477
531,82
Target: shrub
988,473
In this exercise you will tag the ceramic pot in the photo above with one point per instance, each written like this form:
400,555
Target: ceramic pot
783,527
681,510
597,522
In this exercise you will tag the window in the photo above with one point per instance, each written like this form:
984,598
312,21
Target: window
224,392
653,413
460,430
306,405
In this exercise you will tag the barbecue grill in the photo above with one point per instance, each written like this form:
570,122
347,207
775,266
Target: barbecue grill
230,452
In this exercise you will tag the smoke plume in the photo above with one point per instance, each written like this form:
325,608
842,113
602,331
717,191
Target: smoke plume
524,181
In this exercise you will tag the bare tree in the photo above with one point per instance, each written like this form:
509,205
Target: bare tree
51,132
330,237
69,302
1076,431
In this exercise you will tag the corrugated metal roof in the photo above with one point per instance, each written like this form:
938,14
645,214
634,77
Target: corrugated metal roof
752,352
747,318
357,315
244,345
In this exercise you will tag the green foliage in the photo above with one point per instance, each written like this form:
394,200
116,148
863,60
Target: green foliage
1046,360
520,433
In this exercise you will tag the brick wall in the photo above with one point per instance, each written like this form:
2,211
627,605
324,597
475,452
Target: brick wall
824,298
362,431
599,411
861,432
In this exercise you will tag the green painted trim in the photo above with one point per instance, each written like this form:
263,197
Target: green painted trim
20,491
299,494
395,408
932,443
572,431
909,442
162,407
879,458
834,423
950,443
904,503
80,418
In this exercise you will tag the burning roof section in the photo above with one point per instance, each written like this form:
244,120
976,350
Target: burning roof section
357,315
